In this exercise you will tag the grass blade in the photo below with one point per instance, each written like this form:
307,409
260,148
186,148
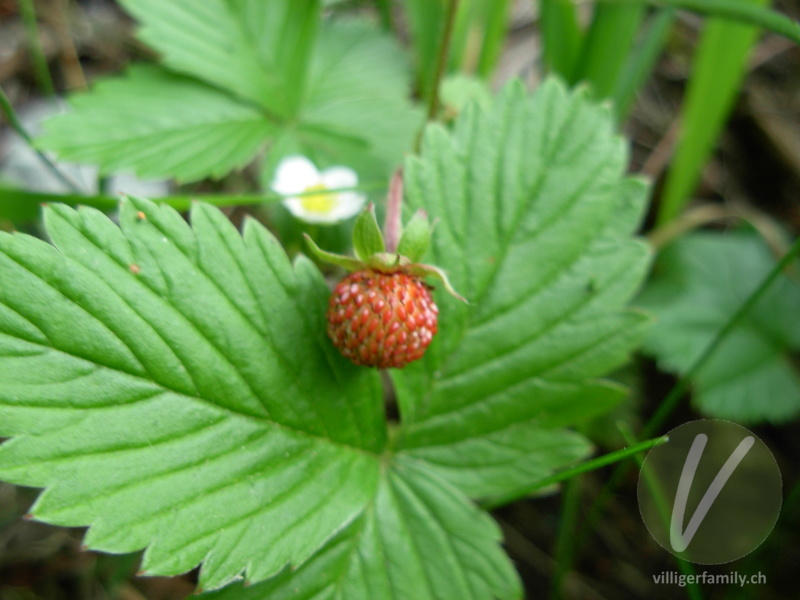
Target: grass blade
478,37
426,18
608,43
719,67
495,15
641,62
736,10
561,37
40,69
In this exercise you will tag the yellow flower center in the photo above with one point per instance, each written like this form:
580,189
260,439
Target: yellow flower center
318,203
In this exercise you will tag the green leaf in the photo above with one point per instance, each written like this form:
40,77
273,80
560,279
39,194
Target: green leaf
249,47
172,387
367,236
506,459
457,90
536,218
701,280
356,109
350,109
419,539
158,124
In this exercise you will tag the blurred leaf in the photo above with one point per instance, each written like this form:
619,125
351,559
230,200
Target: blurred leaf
158,124
251,48
458,90
355,111
701,280
719,65
536,220
206,412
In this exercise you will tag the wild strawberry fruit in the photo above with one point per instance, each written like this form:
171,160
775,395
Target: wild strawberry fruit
382,314
382,319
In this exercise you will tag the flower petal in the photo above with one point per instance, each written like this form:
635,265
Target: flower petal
339,177
348,204
294,175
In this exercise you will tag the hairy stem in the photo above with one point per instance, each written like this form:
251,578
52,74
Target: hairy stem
393,225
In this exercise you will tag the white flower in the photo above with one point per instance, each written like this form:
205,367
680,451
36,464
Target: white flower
298,175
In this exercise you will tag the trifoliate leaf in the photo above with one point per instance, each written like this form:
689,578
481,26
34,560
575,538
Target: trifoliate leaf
172,387
419,539
158,124
701,280
535,224
250,74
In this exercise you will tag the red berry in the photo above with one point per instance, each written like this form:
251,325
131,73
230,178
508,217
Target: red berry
382,319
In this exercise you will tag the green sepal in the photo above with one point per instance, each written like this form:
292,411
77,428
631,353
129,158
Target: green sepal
346,262
437,273
416,237
367,236
387,261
